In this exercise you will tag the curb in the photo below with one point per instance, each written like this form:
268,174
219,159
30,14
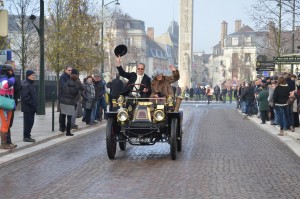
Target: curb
43,145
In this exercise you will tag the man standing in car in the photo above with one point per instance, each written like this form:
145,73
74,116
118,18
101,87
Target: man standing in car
142,81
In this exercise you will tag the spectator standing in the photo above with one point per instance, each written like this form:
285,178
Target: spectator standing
68,101
280,97
88,101
224,93
209,94
217,91
249,97
241,97
192,93
263,103
229,93
197,91
29,104
102,99
17,87
115,90
98,91
78,106
7,82
62,80
237,97
272,113
178,91
186,93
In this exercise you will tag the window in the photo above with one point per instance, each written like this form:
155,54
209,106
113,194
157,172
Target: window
248,41
247,59
128,41
235,41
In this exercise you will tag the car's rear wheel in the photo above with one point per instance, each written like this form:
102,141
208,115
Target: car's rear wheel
111,145
122,146
173,139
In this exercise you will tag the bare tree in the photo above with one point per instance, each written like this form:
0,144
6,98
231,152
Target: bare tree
23,37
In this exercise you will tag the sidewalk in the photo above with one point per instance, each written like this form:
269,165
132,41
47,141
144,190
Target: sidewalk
42,133
292,139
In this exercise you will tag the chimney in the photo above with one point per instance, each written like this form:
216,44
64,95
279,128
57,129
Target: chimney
150,33
238,25
223,32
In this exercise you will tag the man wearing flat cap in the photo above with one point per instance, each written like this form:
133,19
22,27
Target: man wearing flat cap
29,104
142,81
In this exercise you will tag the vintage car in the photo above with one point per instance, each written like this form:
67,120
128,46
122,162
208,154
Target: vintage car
144,121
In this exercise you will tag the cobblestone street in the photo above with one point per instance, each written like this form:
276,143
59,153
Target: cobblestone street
223,156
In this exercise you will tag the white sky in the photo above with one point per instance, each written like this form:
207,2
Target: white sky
208,16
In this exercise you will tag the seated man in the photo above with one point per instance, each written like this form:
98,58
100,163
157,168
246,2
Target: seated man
161,85
138,77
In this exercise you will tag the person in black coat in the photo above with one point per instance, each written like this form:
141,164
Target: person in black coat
29,104
116,88
138,77
62,80
68,101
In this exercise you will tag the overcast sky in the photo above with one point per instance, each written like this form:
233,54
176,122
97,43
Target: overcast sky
208,16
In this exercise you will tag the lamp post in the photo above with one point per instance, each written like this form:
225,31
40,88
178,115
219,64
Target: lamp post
102,30
293,36
40,30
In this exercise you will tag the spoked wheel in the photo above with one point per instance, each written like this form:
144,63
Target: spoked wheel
111,144
173,139
122,146
179,138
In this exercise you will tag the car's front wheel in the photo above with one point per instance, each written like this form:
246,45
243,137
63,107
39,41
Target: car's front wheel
111,145
173,139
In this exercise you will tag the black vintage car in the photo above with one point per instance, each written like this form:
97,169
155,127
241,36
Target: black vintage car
144,121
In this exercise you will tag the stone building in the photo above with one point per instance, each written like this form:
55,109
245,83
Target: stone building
234,57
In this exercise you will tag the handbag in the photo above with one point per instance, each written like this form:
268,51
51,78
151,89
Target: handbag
291,100
7,103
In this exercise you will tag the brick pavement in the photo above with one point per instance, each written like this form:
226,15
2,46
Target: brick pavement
46,138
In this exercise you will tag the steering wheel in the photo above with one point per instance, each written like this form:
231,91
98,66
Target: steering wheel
136,89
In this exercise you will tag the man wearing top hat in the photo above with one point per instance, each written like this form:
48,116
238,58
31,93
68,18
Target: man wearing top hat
142,81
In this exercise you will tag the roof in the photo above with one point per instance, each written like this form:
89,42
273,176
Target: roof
155,50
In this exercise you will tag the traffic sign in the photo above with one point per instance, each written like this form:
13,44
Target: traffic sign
265,69
265,66
287,60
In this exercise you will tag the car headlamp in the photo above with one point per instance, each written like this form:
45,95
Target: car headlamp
159,115
122,115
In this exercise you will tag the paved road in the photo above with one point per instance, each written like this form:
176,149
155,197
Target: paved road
223,156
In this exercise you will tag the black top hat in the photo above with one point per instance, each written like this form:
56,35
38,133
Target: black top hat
120,50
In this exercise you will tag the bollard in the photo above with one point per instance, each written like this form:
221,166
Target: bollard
53,103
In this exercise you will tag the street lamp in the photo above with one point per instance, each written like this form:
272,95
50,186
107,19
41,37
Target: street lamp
102,30
40,30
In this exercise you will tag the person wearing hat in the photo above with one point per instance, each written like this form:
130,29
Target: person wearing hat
139,78
7,82
29,104
161,84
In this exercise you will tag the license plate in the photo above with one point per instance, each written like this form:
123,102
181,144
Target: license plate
140,140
